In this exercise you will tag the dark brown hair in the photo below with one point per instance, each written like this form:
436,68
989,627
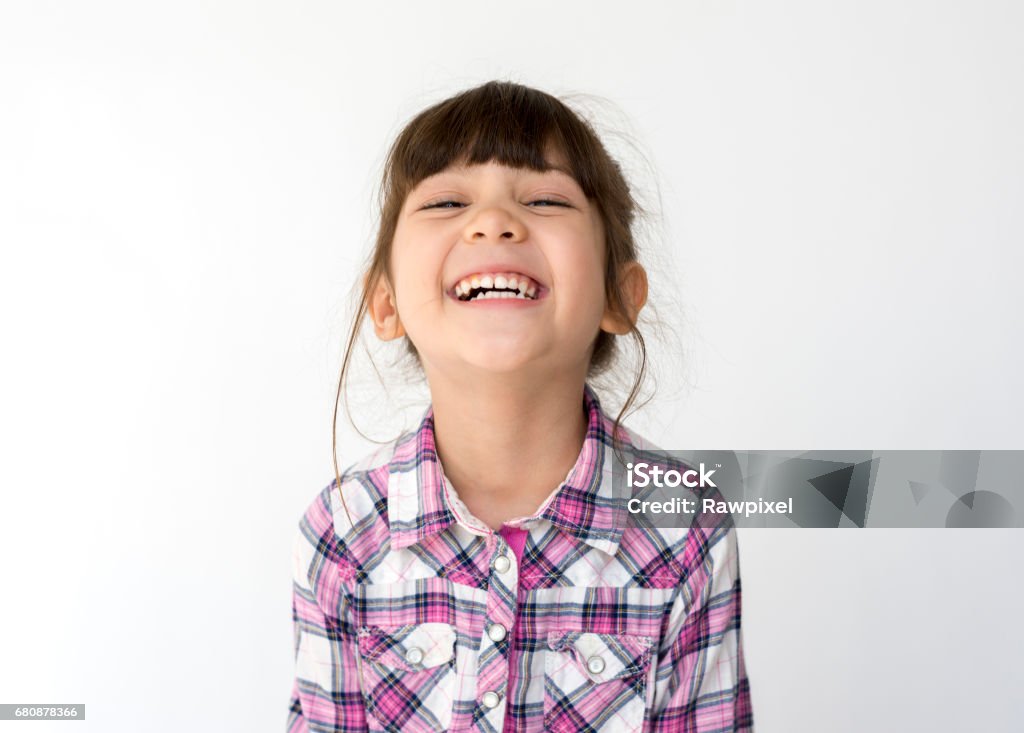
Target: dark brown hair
519,127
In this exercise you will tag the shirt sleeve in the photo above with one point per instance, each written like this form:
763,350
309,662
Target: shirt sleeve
701,682
326,694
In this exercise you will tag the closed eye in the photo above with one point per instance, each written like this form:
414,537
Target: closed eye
551,202
443,205
453,204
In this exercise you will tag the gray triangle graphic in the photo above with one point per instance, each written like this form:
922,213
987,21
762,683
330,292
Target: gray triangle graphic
834,485
919,490
968,499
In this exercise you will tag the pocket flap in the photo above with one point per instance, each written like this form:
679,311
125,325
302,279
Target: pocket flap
604,657
408,648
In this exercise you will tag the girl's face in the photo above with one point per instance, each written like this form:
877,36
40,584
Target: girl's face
470,232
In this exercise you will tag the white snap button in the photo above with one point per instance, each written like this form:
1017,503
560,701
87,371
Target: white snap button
502,563
595,665
497,632
490,699
414,655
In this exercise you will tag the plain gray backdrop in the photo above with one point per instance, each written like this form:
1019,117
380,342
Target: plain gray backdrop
185,196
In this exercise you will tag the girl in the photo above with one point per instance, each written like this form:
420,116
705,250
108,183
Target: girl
507,591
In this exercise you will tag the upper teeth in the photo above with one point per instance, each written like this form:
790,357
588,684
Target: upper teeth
496,285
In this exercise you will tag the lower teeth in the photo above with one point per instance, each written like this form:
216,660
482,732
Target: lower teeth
494,294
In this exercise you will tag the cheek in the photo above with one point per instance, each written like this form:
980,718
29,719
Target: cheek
582,303
584,266
420,250
415,270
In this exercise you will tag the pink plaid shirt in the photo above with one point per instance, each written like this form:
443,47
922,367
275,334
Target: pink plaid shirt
414,616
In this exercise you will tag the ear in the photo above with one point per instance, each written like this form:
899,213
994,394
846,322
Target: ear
633,286
383,311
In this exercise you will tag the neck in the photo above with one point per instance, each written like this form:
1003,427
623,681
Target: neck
506,445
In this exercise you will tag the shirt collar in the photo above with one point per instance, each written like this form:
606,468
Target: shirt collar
422,502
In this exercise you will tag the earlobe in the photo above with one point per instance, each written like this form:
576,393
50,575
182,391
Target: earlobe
633,287
384,312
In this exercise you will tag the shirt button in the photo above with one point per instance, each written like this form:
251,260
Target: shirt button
490,699
502,563
497,632
414,655
595,665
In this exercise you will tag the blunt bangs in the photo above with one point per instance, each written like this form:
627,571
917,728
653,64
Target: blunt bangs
515,126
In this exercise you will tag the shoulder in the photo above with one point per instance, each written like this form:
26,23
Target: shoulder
349,513
686,543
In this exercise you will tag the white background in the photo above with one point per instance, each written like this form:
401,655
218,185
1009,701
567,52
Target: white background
186,193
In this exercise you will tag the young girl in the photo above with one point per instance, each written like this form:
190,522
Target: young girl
507,591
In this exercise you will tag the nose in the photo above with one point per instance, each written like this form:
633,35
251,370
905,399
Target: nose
495,224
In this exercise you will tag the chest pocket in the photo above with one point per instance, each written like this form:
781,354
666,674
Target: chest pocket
596,682
408,676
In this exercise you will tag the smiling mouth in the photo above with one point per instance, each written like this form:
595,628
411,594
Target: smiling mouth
487,286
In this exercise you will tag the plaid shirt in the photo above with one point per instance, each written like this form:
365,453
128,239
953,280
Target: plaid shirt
406,614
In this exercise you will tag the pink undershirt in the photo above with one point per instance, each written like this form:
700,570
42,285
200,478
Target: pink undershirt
516,539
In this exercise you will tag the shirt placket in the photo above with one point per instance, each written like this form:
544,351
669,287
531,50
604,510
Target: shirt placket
496,641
